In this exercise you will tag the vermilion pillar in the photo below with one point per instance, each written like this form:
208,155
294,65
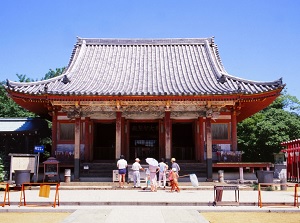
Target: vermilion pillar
168,134
201,139
54,133
124,149
197,140
118,134
208,149
162,152
87,139
234,130
77,149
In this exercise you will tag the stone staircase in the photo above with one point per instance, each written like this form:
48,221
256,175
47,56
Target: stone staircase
98,169
193,168
104,170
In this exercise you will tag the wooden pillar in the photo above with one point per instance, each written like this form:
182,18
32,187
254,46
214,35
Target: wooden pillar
162,152
54,134
118,134
124,149
197,140
168,134
87,139
127,136
77,149
208,149
234,131
201,139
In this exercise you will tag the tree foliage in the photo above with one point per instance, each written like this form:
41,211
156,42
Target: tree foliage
260,135
8,108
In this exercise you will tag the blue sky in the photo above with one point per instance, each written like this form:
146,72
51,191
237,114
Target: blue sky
257,39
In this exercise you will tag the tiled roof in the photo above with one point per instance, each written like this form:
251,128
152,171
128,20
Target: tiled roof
145,67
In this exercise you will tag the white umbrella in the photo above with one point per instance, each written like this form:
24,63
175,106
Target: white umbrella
194,180
152,161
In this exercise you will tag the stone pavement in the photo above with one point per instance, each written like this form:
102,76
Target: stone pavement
92,202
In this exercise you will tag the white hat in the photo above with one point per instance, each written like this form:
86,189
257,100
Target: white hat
137,159
174,169
173,160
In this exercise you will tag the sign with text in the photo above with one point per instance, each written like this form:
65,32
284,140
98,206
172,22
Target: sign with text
115,175
23,163
39,149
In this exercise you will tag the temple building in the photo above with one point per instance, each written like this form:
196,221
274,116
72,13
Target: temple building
291,153
144,98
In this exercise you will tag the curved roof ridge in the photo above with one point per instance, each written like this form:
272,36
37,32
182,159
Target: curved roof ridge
143,41
278,81
217,54
41,82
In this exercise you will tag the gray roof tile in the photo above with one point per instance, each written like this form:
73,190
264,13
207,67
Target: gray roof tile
145,67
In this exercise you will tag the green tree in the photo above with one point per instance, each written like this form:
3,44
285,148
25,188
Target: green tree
8,108
287,102
260,135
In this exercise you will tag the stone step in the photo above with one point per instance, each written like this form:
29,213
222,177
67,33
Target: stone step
97,169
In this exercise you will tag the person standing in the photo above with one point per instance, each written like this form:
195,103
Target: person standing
163,167
175,177
136,167
153,171
171,179
148,183
122,165
175,165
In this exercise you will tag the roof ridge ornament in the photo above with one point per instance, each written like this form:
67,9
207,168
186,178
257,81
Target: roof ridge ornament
239,87
222,79
279,82
8,84
65,79
46,88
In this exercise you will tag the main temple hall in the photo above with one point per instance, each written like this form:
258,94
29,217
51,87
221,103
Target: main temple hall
157,98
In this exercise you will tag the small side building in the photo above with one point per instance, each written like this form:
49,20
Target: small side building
20,136
292,153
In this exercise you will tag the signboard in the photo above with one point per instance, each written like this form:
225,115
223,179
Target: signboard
39,149
23,163
115,175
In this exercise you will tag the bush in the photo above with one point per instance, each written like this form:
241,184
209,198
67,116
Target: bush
255,186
